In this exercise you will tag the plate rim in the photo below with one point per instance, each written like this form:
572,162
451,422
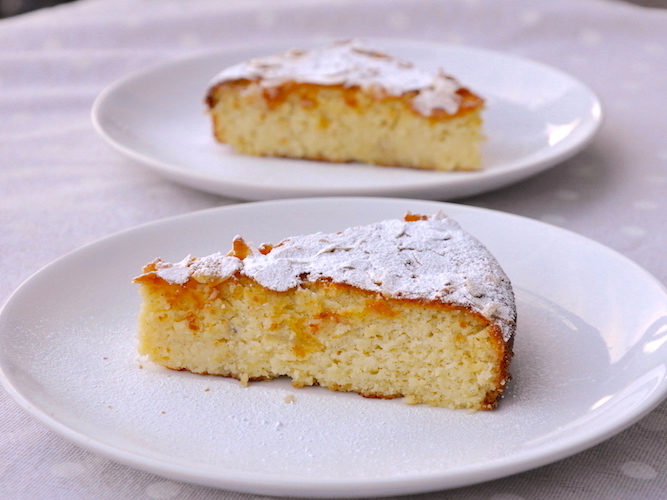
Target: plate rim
415,483
218,184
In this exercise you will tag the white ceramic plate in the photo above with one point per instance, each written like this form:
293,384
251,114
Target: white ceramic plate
536,116
589,361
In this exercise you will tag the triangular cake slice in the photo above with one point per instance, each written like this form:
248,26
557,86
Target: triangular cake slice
414,308
347,102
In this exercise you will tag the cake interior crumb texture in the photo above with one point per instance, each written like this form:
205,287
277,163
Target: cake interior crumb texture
346,119
323,332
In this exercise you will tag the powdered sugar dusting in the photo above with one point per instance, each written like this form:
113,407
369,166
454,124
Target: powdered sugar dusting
351,64
217,265
430,259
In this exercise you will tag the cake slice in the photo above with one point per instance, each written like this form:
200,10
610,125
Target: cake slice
414,308
345,103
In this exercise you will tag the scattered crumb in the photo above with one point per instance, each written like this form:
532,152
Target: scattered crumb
163,412
109,406
141,367
207,389
105,357
290,398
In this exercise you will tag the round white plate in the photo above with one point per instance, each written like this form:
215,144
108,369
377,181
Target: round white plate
589,361
536,116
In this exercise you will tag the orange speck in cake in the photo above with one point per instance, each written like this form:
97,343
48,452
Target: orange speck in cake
380,306
240,249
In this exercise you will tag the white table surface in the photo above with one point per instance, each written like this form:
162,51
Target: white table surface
61,186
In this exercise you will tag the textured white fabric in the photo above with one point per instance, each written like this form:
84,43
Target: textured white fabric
61,186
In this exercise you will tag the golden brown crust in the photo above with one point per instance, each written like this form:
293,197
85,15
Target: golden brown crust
379,304
307,97
505,357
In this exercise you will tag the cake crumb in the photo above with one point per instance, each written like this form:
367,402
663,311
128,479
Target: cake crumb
207,389
290,398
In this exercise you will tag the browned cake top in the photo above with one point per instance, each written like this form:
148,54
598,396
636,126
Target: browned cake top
420,258
350,64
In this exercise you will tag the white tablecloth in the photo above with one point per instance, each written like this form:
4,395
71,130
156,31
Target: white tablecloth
61,186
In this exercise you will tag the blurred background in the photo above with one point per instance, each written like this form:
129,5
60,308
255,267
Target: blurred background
10,8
